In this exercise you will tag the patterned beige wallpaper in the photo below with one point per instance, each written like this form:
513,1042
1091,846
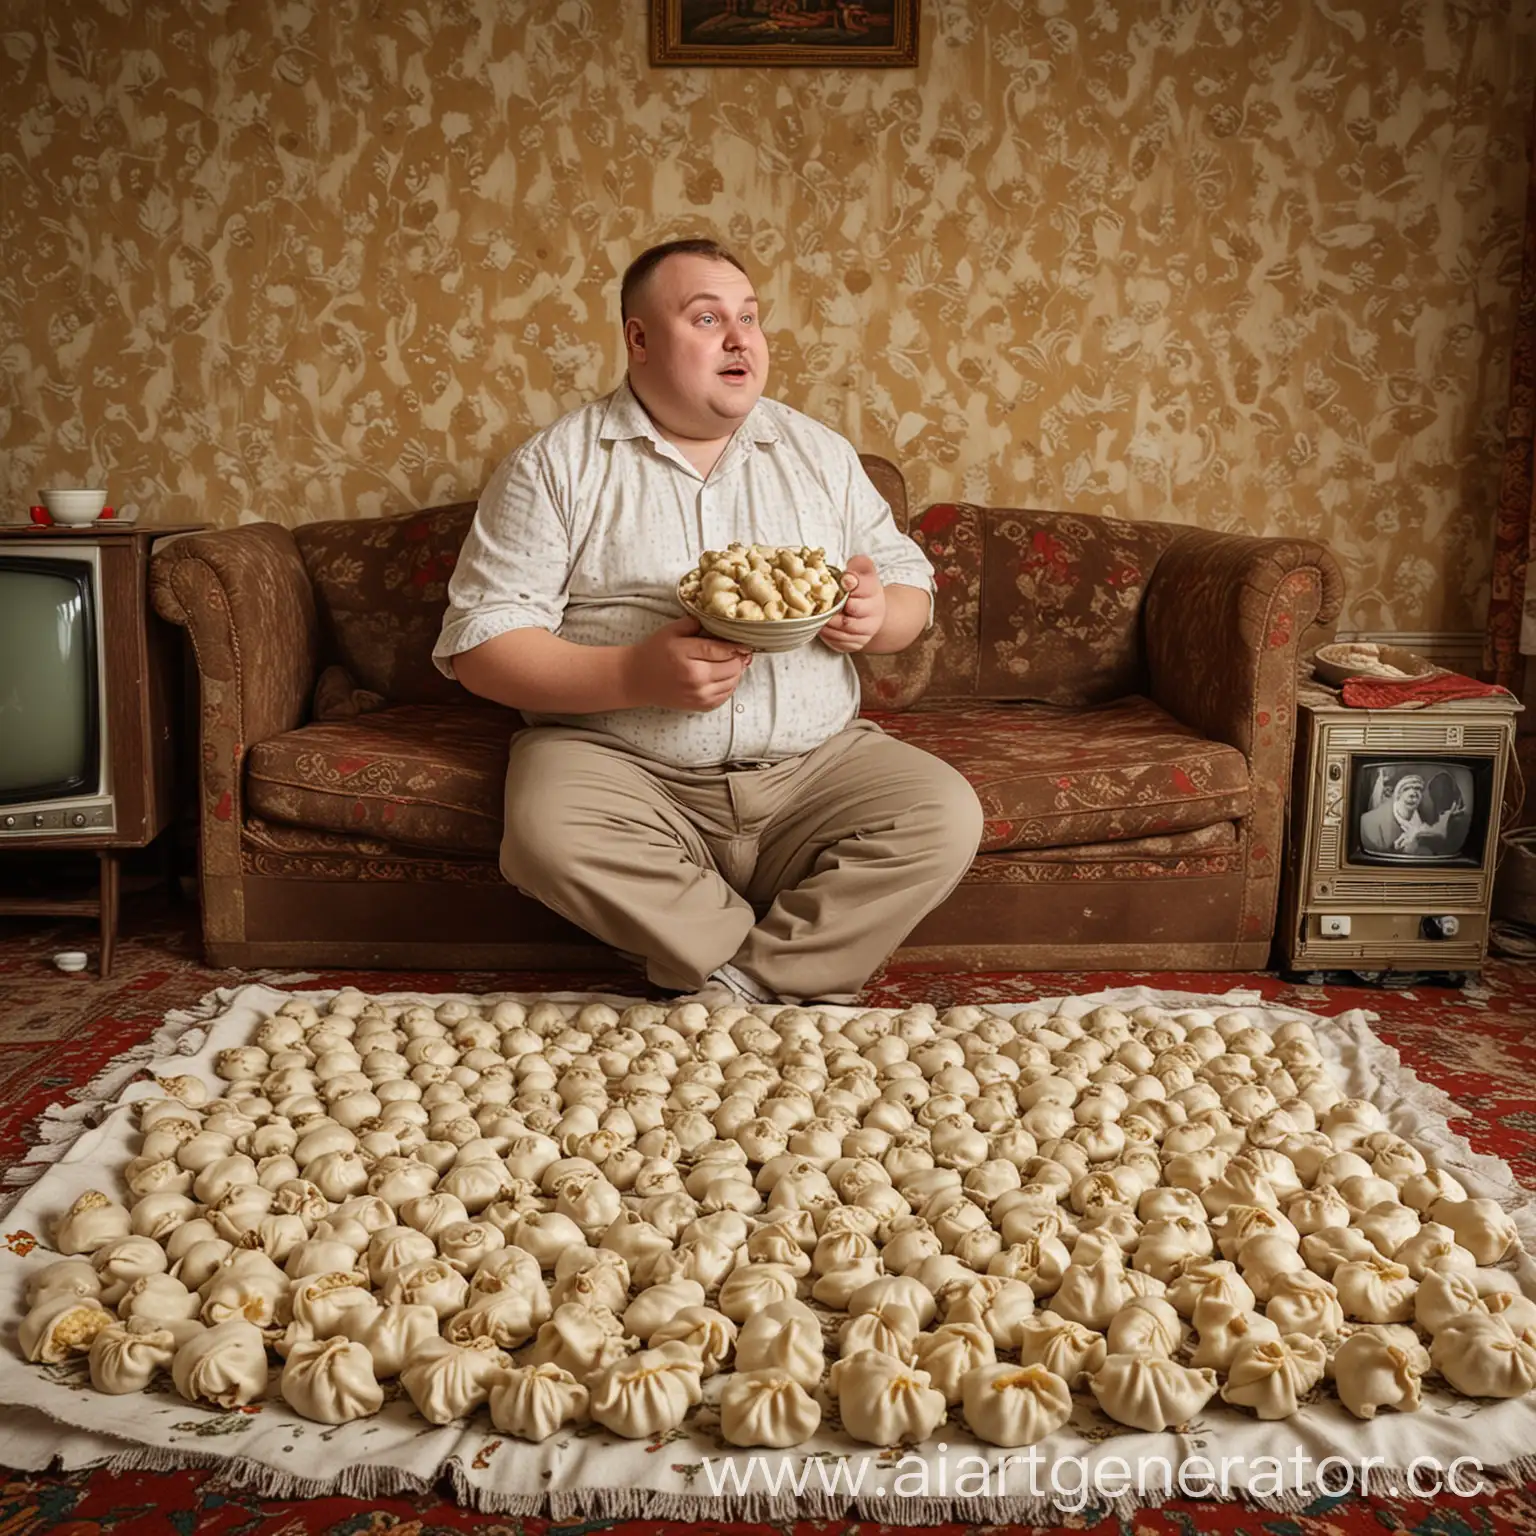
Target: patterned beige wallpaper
1246,263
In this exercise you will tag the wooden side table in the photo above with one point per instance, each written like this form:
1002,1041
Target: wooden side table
137,682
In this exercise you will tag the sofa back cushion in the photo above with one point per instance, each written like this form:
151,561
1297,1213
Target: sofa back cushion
1043,606
381,585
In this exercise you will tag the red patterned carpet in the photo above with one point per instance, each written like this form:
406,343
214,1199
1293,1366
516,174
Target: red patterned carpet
58,1031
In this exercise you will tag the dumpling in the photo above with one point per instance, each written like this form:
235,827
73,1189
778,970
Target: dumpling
1039,1262
599,1284
752,1287
464,1244
508,1318
331,1381
1482,1356
1375,1290
1304,1303
429,1283
890,1328
1271,1376
74,1277
94,1220
658,1304
1433,1247
1389,1225
225,1365
161,1298
392,1335
1064,1348
1001,1306
1149,1392
61,1324
1209,1292
1325,1250
126,1259
785,1336
392,1248
883,1402
248,1287
1371,1372
533,1401
1146,1324
1168,1241
1220,1342
581,1337
1444,1295
709,1334
1015,1404
949,1352
125,1356
902,1289
646,1393
447,1381
767,1407
318,1301
1482,1227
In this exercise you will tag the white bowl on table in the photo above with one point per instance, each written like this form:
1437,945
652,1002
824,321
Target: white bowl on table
74,506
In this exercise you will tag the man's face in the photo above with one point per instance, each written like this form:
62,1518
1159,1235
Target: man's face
1409,796
697,357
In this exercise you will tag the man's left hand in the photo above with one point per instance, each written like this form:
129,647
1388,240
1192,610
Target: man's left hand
863,615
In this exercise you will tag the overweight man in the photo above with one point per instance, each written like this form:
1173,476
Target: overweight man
721,815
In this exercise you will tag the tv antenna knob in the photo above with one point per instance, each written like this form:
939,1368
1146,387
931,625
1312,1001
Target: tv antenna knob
1446,927
78,818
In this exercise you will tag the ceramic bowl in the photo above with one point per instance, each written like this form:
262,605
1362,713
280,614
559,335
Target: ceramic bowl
1385,663
767,634
74,506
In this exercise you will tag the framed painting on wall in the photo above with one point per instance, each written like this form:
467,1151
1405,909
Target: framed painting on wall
807,33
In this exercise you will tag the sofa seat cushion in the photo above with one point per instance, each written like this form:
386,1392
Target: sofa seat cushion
417,775
1050,777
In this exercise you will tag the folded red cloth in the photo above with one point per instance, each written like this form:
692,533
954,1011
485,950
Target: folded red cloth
1416,692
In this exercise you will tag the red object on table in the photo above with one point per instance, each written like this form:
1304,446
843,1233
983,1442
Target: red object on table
1415,692
40,516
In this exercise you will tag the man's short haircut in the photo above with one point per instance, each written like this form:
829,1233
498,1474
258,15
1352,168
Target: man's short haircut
638,272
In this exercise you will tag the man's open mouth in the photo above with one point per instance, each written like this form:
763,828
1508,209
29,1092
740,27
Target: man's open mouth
734,371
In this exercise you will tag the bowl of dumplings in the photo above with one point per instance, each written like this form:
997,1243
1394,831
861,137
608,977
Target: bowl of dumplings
768,597
572,1213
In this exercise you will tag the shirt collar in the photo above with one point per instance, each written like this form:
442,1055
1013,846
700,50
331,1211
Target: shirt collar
627,418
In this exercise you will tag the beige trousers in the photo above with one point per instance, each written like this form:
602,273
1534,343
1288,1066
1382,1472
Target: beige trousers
805,874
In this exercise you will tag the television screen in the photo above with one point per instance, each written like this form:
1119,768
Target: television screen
48,703
1410,810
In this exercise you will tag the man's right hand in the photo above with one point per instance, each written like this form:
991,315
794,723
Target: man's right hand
680,667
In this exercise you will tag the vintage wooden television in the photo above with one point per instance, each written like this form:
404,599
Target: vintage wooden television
1393,836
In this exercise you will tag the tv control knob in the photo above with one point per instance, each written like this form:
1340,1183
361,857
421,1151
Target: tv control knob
37,818
1446,927
78,818
10,821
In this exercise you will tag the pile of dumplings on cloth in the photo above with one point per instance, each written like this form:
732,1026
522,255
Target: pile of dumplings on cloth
577,1213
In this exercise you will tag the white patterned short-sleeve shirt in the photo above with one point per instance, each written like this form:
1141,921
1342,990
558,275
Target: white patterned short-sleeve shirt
586,529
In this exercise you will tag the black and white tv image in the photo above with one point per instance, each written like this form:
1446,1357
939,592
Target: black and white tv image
50,704
1419,810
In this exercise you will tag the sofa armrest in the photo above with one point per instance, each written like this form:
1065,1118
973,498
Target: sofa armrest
1227,618
244,597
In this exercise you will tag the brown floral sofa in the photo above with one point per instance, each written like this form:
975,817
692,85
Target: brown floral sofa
1121,695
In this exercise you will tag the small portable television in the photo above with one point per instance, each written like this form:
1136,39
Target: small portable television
1393,842
85,739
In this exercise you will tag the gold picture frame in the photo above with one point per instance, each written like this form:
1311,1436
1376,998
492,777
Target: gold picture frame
777,33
